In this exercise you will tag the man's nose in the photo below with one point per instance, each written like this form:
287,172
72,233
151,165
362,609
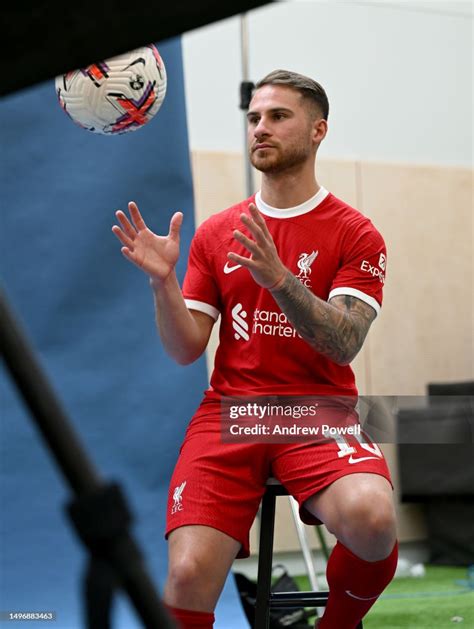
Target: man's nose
261,129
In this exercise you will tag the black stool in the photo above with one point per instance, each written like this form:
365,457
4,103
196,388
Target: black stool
266,599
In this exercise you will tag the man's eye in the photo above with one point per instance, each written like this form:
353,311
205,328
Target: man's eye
279,116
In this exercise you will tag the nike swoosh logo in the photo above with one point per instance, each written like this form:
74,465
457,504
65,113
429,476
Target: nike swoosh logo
228,269
362,598
364,458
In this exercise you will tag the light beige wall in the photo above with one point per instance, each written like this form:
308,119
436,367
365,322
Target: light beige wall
425,331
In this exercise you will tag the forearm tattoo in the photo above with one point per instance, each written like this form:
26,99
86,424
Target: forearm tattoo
335,329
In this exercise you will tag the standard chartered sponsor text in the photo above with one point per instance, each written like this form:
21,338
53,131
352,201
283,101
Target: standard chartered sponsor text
272,323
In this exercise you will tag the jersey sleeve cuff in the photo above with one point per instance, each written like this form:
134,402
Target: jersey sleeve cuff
353,292
201,306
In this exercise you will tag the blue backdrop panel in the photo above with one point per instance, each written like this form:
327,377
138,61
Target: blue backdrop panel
90,315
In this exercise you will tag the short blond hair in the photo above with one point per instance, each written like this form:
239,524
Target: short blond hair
310,90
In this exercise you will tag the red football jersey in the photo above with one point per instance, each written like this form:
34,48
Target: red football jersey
329,246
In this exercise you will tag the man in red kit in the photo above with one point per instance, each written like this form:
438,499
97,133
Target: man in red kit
296,254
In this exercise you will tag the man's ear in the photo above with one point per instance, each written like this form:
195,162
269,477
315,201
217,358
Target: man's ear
320,128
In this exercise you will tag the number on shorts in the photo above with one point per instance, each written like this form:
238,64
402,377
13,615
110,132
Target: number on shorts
346,448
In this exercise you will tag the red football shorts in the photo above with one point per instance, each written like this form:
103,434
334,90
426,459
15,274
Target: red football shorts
221,484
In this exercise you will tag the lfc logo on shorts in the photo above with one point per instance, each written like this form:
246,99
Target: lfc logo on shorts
178,501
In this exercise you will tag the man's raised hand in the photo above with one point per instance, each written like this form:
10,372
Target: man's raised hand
155,255
264,263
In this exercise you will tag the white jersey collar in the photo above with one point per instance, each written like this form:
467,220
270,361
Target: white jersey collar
290,212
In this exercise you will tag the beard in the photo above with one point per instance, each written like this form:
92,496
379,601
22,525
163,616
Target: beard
274,160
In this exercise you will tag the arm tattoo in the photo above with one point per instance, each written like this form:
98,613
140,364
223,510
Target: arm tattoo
336,329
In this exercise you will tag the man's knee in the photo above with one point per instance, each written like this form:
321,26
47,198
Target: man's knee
196,570
363,518
368,525
186,572
191,584
371,516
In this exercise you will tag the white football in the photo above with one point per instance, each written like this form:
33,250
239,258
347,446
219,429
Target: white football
117,95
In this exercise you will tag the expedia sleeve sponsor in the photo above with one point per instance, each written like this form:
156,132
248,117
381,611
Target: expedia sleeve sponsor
362,272
375,270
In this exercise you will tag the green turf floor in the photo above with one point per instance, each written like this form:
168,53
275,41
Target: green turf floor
440,599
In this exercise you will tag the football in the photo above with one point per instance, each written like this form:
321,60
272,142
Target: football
117,95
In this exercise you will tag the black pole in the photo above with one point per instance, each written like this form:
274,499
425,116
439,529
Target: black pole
121,552
45,407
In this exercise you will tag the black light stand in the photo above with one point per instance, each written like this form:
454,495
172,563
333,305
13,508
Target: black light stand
246,90
98,511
